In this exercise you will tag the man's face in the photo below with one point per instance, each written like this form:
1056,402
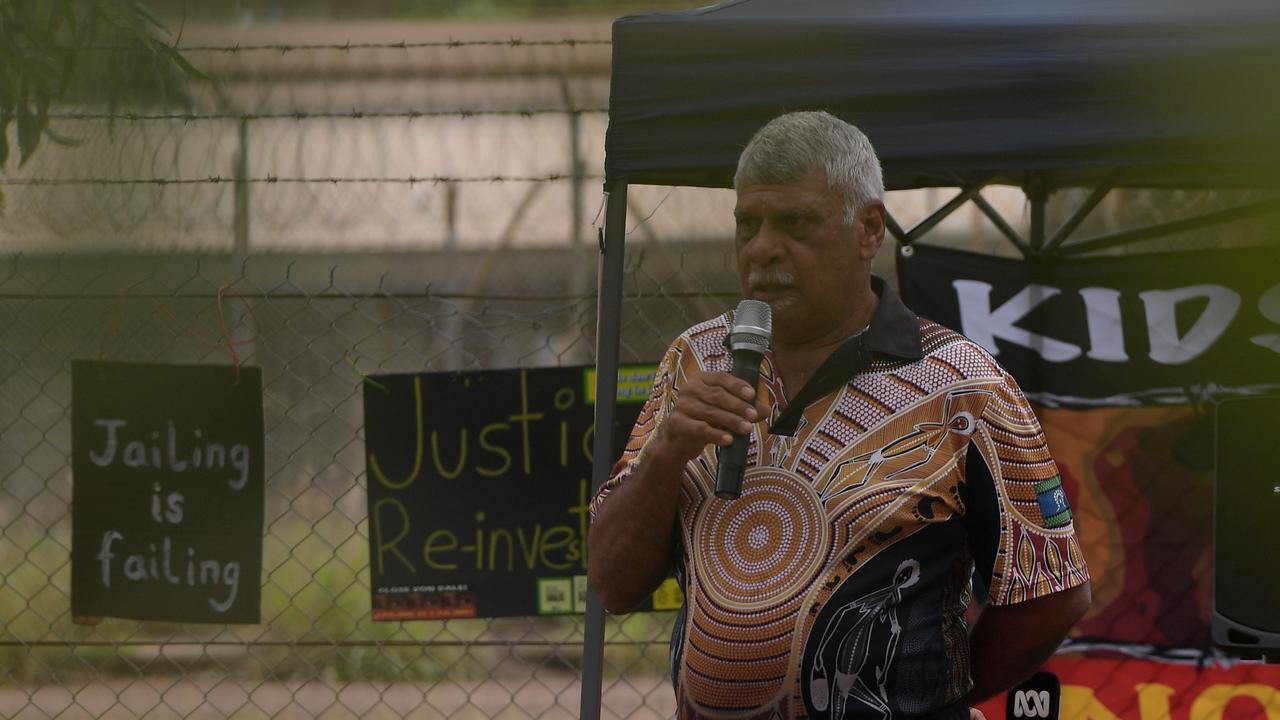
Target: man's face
796,253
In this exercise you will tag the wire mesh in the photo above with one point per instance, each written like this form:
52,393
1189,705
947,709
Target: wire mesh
361,207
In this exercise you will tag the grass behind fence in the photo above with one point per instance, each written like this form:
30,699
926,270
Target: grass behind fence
315,623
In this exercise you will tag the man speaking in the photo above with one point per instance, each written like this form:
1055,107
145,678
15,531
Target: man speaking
886,457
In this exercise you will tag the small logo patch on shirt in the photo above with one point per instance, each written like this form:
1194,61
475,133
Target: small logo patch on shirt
1053,503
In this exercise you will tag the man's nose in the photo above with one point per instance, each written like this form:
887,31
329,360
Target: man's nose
766,247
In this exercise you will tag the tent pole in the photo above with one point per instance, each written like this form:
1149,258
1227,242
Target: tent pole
1002,225
608,338
1125,237
1038,195
895,230
965,195
1081,213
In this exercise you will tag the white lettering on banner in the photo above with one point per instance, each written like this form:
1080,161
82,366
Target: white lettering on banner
983,325
1162,321
1106,330
1269,306
1031,703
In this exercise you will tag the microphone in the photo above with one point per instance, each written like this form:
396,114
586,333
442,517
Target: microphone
1038,697
748,340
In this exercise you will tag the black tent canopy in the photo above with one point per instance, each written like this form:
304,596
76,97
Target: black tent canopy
1140,93
1041,94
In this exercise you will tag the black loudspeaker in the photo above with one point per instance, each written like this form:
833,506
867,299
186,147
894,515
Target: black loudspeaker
1246,527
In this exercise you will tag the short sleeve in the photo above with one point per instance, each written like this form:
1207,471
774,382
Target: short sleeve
1021,496
666,382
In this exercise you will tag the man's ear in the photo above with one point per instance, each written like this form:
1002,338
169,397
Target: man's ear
871,220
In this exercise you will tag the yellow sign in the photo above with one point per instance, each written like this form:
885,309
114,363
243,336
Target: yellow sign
668,596
634,383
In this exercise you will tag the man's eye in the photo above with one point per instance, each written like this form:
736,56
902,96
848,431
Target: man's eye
746,227
792,223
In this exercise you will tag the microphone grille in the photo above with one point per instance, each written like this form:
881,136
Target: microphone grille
753,317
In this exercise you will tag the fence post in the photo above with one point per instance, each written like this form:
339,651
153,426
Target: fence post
575,164
242,191
608,337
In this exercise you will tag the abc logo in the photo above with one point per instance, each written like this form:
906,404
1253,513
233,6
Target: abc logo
1031,704
1038,697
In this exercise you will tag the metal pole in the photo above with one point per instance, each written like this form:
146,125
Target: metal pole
242,192
1038,194
608,336
575,164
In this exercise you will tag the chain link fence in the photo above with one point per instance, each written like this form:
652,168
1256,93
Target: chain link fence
315,327
361,205
347,207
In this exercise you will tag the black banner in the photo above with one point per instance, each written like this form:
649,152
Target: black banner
167,511
478,489
1135,326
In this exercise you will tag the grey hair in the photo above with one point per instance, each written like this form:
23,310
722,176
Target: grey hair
790,145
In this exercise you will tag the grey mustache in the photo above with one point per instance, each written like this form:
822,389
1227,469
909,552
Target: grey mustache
770,277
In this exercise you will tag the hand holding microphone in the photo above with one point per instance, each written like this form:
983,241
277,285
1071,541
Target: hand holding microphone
718,408
748,341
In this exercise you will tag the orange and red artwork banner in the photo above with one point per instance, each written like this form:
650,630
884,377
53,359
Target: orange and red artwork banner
1140,484
1128,688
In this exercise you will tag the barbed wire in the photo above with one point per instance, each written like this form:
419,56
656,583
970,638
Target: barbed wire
427,294
284,48
312,115
273,180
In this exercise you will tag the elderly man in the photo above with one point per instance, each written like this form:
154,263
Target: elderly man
888,456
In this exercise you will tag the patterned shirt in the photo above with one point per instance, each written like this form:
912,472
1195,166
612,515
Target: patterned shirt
836,585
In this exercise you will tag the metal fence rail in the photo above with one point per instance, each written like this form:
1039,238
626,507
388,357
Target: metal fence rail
314,331
359,207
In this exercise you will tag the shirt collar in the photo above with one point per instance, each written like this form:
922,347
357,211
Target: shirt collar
894,330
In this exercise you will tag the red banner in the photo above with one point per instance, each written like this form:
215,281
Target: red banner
1126,688
1140,487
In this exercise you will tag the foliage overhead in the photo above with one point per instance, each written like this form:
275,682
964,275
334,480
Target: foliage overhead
88,51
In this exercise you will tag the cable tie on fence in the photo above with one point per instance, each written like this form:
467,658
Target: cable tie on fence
365,377
227,340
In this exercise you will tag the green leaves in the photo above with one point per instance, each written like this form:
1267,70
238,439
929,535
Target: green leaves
85,52
29,126
182,62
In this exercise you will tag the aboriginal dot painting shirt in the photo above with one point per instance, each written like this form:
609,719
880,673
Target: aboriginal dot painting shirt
836,585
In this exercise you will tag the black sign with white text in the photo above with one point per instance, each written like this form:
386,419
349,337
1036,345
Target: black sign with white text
1103,327
167,511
